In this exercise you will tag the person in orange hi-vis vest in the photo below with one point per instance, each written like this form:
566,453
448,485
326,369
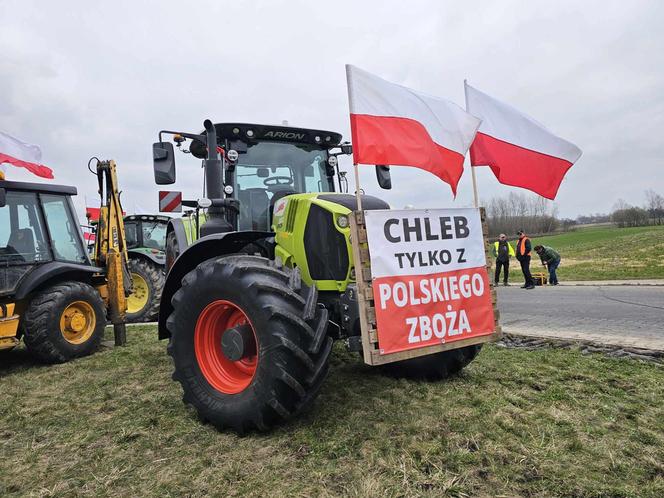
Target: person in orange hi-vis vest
523,248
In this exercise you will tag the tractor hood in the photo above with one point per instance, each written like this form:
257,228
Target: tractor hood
312,232
369,202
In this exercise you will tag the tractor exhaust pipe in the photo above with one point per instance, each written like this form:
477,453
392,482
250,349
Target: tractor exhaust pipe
214,185
213,166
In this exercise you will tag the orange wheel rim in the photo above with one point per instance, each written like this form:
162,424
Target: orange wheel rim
77,322
227,376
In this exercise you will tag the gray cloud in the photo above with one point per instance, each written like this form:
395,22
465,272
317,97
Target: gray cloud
84,79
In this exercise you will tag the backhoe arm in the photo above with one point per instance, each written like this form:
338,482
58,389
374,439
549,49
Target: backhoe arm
111,248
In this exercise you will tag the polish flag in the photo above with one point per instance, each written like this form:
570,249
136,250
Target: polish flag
394,125
520,151
22,154
92,214
89,237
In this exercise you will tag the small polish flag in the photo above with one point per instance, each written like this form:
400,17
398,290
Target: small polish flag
89,236
394,125
520,151
92,214
22,154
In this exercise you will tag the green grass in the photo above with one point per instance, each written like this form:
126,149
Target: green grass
515,423
604,253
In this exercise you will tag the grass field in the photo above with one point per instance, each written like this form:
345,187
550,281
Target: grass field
515,423
604,253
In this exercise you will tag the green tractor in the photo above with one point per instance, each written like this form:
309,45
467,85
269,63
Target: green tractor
259,288
146,243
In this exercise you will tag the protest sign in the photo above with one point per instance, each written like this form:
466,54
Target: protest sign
429,277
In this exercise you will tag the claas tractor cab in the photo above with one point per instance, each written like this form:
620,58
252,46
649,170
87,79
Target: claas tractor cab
53,295
146,249
258,289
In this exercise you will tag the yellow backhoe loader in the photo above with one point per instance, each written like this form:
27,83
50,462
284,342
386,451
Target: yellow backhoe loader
52,294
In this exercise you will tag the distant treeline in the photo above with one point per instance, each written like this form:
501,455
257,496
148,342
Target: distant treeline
536,215
652,213
519,211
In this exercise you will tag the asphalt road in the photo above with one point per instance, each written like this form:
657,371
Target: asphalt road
624,315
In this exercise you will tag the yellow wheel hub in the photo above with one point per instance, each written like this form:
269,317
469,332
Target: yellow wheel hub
140,297
77,322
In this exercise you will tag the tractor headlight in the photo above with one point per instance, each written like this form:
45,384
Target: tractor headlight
342,221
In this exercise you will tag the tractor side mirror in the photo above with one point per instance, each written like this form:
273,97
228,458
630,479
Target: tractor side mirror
331,165
346,149
163,160
383,177
3,197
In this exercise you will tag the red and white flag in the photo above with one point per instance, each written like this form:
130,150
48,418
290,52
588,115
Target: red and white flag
394,125
23,155
520,151
92,214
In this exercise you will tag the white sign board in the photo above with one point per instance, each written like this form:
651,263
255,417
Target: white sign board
429,276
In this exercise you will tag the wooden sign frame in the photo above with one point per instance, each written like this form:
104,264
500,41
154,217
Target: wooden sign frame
365,299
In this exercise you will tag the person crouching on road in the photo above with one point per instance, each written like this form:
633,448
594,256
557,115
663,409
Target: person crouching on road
502,251
523,249
550,259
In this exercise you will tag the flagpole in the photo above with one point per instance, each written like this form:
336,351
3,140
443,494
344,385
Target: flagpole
472,168
357,170
357,187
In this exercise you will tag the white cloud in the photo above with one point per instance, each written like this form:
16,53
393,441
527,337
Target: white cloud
84,79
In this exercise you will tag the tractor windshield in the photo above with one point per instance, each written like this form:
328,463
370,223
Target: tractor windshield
271,170
154,234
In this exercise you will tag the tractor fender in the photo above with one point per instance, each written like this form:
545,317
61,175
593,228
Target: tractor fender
158,259
177,225
210,246
50,273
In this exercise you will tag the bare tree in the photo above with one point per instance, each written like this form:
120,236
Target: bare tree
630,217
518,211
655,207
620,204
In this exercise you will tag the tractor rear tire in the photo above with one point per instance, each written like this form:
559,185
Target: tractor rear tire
281,318
436,366
63,322
148,280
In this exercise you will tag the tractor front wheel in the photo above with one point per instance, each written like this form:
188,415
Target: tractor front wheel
147,281
248,342
435,366
63,322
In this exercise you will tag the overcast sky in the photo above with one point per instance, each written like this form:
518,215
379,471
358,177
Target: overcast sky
83,79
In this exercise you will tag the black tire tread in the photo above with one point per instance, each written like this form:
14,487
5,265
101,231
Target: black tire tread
436,366
297,336
41,322
155,278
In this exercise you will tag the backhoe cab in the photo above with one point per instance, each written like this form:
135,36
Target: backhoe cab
261,282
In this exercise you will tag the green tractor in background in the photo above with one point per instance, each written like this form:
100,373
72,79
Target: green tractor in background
146,244
259,287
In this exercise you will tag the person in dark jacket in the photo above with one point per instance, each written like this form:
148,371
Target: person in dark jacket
550,259
502,251
523,249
